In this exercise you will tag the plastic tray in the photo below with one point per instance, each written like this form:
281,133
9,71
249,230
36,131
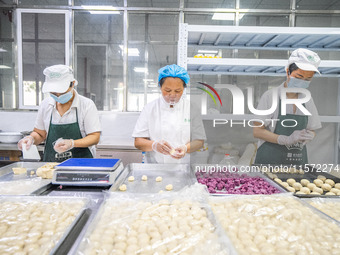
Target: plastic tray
176,174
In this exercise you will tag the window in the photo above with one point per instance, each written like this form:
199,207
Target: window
42,41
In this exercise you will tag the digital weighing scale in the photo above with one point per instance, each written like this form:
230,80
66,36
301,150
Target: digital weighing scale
87,172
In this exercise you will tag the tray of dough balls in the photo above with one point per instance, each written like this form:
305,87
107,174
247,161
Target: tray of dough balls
232,181
152,178
277,224
38,225
310,185
24,178
329,206
169,223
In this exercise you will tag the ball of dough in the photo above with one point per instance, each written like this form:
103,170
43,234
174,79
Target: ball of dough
300,193
335,191
326,187
304,182
318,190
169,187
122,187
285,184
297,186
131,178
311,186
330,194
305,190
318,182
278,180
159,179
321,177
337,186
291,189
291,181
144,178
19,170
330,182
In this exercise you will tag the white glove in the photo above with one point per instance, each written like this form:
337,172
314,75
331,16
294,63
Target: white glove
27,141
179,152
62,145
162,147
308,136
296,136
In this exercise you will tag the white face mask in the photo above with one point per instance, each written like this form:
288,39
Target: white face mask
171,101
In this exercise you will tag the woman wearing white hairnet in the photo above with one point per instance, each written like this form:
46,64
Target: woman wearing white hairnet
163,128
284,142
66,121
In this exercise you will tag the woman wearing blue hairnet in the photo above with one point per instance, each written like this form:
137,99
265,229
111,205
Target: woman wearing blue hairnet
163,128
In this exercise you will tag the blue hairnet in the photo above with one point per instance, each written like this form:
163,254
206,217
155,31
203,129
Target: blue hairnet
174,71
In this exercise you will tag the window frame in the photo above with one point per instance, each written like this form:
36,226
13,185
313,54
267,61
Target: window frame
19,72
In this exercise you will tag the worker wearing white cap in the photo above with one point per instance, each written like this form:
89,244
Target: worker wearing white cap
66,121
278,143
163,127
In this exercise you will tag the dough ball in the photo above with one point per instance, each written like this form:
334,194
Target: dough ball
169,187
322,178
297,186
161,191
301,171
144,178
291,181
159,179
337,186
131,178
300,193
311,186
285,184
291,189
335,191
304,182
326,187
330,194
19,170
172,152
318,190
318,182
305,190
122,187
278,180
330,182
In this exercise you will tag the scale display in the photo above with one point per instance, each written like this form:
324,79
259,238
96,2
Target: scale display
82,177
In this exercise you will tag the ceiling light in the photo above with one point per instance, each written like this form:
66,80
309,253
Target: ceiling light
3,50
225,16
132,52
208,51
147,80
4,67
140,69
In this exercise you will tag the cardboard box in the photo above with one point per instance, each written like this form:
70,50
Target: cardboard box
10,155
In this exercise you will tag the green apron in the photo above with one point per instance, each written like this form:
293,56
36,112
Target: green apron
272,153
66,131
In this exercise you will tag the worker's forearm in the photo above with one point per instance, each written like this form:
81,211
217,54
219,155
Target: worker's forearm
38,135
265,135
87,141
143,144
194,145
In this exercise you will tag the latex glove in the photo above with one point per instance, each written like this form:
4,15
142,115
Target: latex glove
62,145
296,136
26,141
162,147
308,136
179,152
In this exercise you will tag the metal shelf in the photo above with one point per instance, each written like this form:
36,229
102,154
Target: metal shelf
264,38
258,67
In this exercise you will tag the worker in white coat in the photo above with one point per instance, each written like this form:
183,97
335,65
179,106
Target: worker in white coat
163,127
67,122
283,142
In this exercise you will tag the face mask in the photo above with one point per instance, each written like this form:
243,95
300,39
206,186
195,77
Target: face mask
297,83
63,99
170,101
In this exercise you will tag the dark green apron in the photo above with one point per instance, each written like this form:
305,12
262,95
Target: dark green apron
271,153
66,131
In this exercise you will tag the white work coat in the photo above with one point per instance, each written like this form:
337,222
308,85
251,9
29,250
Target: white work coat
159,122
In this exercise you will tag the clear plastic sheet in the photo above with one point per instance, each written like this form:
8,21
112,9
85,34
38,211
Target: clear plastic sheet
35,225
173,223
329,206
23,186
276,224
